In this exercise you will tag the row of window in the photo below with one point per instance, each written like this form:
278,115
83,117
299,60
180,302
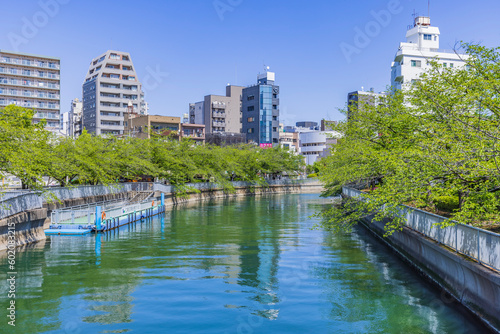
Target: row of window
118,76
30,83
112,56
428,37
252,108
29,104
28,93
251,97
418,63
252,130
29,62
29,73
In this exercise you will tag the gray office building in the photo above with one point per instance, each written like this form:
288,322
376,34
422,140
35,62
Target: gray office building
111,88
219,114
260,111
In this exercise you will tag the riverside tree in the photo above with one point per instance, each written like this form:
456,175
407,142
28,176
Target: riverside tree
32,153
434,146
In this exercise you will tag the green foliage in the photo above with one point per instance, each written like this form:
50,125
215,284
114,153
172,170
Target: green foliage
438,137
447,203
30,152
313,175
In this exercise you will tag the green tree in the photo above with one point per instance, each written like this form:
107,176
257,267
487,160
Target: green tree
438,138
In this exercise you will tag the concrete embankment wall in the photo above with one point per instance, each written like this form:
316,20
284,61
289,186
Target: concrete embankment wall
208,194
473,285
23,228
29,225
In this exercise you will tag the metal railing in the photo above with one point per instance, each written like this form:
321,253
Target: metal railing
98,190
478,244
12,203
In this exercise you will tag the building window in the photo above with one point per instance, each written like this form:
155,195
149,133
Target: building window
275,129
250,119
250,130
416,63
275,96
435,38
275,107
451,64
445,65
275,118
427,37
250,97
251,108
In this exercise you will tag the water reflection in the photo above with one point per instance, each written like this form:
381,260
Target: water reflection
234,265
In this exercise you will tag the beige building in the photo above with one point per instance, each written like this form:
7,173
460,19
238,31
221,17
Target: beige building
32,82
142,126
289,140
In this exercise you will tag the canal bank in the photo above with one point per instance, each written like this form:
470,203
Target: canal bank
475,286
27,215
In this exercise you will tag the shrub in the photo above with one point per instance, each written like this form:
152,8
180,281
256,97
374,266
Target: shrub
312,175
447,203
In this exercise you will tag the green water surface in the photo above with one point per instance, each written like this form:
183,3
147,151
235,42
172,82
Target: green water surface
250,265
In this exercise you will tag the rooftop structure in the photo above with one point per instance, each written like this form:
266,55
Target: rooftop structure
414,55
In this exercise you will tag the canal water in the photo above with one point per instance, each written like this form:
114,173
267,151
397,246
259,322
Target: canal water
250,265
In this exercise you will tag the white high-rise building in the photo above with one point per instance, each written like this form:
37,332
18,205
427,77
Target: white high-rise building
32,82
110,85
421,46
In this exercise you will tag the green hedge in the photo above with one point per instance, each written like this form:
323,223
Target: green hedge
447,203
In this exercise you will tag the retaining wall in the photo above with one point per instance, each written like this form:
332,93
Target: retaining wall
28,227
468,282
29,224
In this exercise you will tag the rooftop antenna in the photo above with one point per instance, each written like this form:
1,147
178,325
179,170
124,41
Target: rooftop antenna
428,8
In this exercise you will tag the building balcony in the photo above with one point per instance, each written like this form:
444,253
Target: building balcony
112,109
31,95
110,118
111,126
20,73
30,63
218,124
218,105
217,114
47,116
24,83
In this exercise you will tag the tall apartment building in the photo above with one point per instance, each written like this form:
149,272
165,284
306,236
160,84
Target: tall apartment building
260,111
111,85
219,113
33,82
422,45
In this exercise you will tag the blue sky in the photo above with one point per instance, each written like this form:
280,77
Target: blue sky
197,47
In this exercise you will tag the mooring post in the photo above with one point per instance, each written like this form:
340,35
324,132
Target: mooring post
98,219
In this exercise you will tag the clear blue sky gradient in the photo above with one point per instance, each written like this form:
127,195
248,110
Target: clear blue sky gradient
203,50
